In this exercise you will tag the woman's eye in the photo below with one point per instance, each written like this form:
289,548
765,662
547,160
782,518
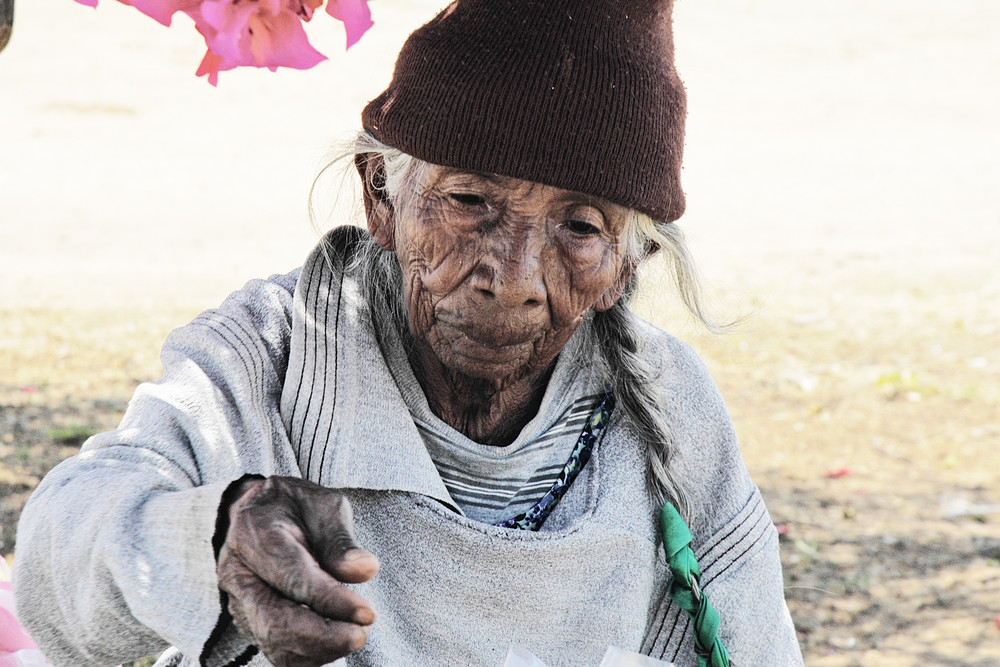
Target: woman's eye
583,220
582,227
467,199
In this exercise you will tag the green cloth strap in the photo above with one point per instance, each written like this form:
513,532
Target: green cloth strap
686,591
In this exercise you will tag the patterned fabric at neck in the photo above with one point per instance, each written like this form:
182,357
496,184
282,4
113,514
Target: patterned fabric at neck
535,517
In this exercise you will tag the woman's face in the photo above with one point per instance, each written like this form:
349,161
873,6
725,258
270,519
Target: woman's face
498,272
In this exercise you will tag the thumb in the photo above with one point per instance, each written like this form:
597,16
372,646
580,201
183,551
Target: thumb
328,523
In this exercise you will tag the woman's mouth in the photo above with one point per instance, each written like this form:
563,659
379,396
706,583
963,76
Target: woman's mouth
484,347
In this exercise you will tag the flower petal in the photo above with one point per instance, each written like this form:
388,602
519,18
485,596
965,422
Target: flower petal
162,10
211,64
303,8
89,3
229,29
280,41
12,636
273,7
356,16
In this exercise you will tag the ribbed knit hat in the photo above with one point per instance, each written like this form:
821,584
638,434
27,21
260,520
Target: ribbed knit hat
578,94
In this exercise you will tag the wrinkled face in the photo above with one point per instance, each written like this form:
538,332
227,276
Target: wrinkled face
499,272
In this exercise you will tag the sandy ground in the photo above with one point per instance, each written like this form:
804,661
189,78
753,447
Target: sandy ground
841,170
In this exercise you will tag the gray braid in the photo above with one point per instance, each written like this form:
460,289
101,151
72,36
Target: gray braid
637,395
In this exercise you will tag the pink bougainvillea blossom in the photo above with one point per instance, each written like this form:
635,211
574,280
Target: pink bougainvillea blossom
256,33
259,33
225,26
305,8
280,41
355,14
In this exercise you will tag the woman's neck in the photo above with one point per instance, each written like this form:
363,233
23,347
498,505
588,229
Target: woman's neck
481,410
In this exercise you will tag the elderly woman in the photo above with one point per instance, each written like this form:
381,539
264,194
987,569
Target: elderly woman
446,436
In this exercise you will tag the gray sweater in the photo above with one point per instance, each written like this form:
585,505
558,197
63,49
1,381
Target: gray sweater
115,557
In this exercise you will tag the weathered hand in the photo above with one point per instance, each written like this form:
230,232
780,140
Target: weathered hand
289,545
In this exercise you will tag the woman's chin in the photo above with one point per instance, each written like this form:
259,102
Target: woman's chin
498,366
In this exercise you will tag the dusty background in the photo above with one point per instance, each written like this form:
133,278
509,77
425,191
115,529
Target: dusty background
842,171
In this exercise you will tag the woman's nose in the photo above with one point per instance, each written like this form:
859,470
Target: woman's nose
511,272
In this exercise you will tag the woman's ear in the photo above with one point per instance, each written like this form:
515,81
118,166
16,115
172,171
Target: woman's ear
378,209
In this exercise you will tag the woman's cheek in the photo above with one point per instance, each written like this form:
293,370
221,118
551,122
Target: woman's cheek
419,305
452,258
567,304
584,283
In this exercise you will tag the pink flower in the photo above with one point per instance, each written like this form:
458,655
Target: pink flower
12,636
280,41
261,33
162,10
211,65
225,24
355,14
305,8
258,33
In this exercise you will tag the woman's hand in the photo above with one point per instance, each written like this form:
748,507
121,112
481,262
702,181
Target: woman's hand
288,546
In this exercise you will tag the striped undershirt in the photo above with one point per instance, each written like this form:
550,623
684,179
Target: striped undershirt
491,484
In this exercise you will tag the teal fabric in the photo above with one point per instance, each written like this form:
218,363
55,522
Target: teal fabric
686,592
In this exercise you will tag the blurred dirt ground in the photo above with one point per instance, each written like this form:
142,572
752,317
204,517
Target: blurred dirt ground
841,170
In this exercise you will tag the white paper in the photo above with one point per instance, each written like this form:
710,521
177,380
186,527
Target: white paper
619,657
518,656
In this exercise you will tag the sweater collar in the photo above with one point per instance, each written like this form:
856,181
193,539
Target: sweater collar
343,413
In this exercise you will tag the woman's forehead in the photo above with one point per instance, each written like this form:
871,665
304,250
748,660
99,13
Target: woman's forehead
428,177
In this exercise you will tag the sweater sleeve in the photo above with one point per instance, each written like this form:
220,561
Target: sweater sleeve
741,574
735,542
115,558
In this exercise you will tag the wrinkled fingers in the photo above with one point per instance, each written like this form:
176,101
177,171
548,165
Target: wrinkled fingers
289,634
276,555
274,533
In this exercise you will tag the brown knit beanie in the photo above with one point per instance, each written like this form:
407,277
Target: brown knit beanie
578,94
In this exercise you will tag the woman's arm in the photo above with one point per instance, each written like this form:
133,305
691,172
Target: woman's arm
735,542
741,574
115,556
